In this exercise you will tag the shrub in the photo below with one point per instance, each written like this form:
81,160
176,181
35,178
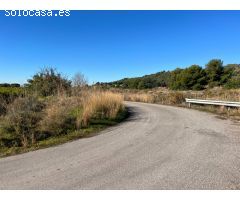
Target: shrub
59,115
176,98
22,118
197,86
48,82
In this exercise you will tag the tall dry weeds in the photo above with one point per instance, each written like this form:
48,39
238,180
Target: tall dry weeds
146,98
170,97
101,105
57,116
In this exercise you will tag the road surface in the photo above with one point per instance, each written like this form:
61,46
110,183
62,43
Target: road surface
158,147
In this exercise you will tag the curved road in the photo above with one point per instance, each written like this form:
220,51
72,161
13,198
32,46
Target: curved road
158,147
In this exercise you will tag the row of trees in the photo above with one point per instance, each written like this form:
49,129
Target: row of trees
194,77
10,85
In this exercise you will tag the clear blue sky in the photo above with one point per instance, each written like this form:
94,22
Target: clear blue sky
110,45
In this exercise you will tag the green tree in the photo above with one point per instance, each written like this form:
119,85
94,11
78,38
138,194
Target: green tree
227,74
193,78
146,83
214,71
175,83
48,82
234,78
162,78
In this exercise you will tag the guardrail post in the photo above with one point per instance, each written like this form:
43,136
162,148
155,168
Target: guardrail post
228,111
222,108
189,105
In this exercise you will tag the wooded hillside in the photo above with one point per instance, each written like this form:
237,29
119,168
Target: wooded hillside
195,77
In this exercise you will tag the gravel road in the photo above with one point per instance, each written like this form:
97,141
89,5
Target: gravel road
158,147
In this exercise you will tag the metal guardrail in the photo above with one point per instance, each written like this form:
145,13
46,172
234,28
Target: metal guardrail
213,102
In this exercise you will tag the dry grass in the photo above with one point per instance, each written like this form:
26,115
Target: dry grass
70,113
222,94
169,97
101,105
139,97
57,116
32,123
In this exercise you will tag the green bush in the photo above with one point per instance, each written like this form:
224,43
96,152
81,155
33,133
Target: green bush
48,82
197,86
21,120
233,83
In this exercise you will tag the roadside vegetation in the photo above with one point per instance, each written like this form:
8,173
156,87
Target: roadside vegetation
50,109
166,96
7,95
213,81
